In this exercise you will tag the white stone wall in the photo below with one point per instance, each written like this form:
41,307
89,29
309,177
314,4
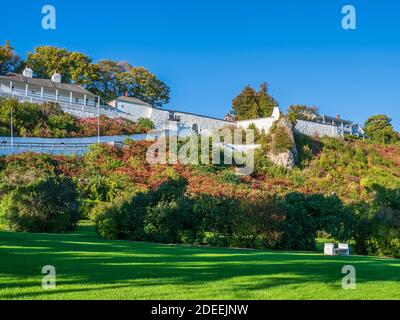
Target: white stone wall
187,121
161,118
261,123
312,129
79,113
136,110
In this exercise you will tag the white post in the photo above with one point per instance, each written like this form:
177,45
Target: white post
98,119
11,128
11,88
56,94
41,93
70,97
26,90
84,100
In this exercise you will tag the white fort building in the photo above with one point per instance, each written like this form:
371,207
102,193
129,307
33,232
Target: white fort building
78,101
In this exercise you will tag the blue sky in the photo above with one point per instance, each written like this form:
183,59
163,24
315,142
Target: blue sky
207,51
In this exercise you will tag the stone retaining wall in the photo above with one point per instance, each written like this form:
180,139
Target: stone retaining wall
313,129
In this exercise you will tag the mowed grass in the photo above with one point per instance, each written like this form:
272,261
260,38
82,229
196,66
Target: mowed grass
89,268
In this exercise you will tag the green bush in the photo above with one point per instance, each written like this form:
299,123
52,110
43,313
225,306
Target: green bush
386,232
258,225
146,123
120,219
219,216
164,222
306,215
228,176
162,215
281,141
47,204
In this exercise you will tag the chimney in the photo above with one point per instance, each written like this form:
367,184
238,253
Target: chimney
56,77
27,72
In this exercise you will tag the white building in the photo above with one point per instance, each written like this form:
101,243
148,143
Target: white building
25,87
80,102
166,119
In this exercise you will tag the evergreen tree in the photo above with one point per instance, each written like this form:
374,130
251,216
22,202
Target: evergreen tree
250,104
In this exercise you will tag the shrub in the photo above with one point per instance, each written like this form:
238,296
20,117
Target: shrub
306,215
362,231
48,204
306,148
386,232
146,123
281,141
120,219
61,123
259,224
220,216
228,176
162,215
167,221
49,120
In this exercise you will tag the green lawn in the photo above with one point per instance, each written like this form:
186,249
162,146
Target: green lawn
88,268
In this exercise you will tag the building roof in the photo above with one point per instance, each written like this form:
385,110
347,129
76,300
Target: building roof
330,118
140,102
133,100
46,83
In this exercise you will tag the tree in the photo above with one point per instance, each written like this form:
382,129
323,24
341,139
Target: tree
266,103
302,112
36,197
74,67
305,215
250,104
108,82
9,61
144,85
379,128
117,78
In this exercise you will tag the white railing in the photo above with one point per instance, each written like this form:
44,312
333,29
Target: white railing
90,107
66,104
36,97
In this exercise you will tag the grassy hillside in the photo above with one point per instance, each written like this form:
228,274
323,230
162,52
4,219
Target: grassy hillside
356,186
90,268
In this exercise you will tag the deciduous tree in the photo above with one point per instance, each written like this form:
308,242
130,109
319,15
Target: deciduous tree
74,67
117,78
9,61
380,128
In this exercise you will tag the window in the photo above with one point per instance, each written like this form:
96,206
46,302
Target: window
195,128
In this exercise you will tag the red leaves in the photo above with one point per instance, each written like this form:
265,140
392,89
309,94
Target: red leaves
108,127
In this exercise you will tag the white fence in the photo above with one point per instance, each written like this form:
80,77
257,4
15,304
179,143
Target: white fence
66,146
